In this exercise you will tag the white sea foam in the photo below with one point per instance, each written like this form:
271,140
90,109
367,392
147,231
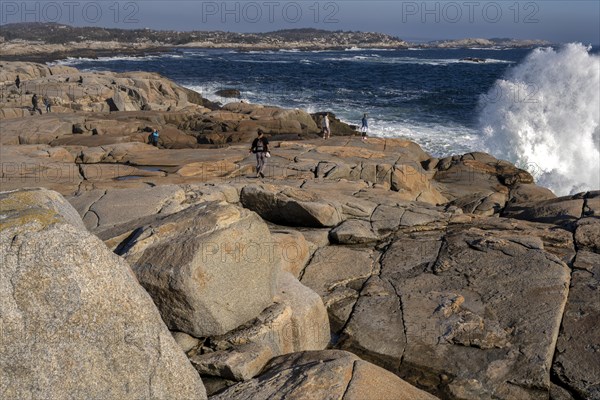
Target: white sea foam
439,140
192,53
255,52
544,115
413,60
490,48
78,60
264,61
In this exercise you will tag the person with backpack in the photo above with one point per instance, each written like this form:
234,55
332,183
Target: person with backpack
34,103
260,147
153,138
47,103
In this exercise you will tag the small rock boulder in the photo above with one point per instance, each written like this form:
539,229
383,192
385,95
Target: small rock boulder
559,211
229,93
291,206
297,321
353,231
238,363
292,251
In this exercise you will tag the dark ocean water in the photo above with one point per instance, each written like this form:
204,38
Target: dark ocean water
430,96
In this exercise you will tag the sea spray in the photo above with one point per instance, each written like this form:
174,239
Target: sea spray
544,116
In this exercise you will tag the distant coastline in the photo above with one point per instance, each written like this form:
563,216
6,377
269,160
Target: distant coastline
46,42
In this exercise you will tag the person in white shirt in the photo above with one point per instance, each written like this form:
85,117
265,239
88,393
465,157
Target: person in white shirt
325,126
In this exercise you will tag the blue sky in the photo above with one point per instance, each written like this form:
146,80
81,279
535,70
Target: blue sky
556,21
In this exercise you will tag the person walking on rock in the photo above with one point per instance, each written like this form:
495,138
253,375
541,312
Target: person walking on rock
18,82
34,103
325,126
260,147
47,103
364,128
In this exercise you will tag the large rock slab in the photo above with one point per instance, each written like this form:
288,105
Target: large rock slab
337,274
488,312
208,268
29,166
75,322
587,234
388,218
473,309
576,363
290,206
323,375
114,214
40,130
375,330
118,206
108,172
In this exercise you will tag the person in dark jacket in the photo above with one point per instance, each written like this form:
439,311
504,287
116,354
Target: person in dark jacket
260,147
18,82
34,103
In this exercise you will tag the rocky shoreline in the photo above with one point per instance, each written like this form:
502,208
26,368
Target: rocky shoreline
354,270
51,54
21,42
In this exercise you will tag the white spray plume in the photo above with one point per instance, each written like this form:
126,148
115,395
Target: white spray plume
544,117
